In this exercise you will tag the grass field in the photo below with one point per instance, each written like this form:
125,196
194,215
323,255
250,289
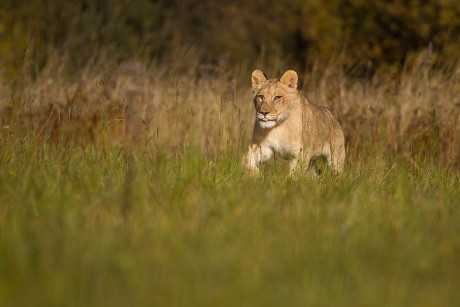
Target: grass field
126,190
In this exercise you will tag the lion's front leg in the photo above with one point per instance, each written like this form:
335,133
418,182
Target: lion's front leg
294,163
256,155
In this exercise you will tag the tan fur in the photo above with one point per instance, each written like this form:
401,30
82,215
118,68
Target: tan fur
289,126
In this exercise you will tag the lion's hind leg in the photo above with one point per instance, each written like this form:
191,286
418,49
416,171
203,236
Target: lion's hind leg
336,158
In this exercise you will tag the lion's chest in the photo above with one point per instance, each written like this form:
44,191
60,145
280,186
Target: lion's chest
286,146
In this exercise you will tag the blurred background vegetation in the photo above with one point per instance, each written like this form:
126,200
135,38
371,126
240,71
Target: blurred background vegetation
360,36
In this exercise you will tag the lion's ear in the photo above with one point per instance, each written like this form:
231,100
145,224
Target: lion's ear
290,79
258,77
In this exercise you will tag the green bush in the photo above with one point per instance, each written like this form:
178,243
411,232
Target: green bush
353,33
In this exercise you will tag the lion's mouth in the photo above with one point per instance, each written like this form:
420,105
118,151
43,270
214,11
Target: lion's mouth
266,119
263,118
266,123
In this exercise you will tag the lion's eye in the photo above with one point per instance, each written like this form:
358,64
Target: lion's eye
260,97
277,98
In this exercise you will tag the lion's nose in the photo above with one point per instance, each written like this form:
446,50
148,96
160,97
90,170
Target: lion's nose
263,113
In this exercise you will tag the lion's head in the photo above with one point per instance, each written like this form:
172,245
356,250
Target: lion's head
273,98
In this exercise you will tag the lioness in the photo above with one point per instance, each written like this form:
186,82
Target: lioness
288,125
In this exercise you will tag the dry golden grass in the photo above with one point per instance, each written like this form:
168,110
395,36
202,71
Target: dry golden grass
415,114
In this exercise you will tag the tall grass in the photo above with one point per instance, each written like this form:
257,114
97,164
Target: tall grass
121,185
415,113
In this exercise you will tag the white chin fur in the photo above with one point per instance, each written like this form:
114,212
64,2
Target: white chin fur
267,124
